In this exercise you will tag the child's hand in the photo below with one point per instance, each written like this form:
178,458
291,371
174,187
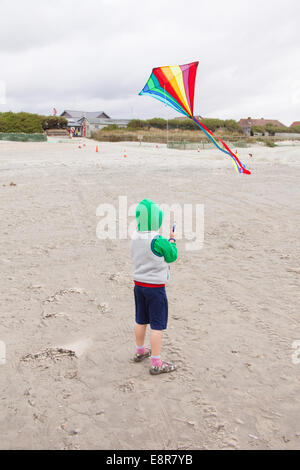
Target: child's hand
172,234
172,231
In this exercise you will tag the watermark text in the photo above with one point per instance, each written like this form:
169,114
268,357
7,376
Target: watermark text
119,222
2,353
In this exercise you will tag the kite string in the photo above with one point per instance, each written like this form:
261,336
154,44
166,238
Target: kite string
166,104
226,149
213,138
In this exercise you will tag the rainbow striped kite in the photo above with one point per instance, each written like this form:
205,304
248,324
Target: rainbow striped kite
174,85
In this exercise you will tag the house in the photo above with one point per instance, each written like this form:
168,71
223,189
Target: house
80,114
91,125
84,123
246,124
295,124
181,118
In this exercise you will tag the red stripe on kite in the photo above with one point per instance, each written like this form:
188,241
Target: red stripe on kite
165,84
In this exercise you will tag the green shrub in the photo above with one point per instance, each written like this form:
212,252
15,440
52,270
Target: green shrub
188,125
158,123
29,123
232,126
54,122
185,124
258,130
110,127
20,122
175,124
213,124
279,129
270,128
136,124
270,143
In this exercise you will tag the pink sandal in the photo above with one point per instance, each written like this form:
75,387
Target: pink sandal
164,368
141,357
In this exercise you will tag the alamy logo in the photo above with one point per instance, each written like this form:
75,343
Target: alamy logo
2,353
2,92
296,353
115,224
295,92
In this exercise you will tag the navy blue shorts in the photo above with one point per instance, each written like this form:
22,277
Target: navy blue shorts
151,306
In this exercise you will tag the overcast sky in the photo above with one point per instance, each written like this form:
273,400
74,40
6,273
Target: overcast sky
98,54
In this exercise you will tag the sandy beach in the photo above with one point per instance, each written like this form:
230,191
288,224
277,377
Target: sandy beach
67,307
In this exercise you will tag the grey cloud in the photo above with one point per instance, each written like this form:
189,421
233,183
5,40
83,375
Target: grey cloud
61,54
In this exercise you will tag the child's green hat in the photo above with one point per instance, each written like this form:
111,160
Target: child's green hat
149,216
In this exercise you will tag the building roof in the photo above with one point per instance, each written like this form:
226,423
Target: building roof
296,123
97,120
74,122
88,114
259,122
106,121
181,118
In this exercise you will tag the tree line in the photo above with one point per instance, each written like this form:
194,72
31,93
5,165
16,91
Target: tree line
271,129
29,123
34,123
184,124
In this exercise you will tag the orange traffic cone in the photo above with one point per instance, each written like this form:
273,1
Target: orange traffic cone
97,148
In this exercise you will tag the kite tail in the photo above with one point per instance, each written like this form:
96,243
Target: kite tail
215,140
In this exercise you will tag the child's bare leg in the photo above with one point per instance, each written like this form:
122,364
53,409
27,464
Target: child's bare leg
140,333
155,341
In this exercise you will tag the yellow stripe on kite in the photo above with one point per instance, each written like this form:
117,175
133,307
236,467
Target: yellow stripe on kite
235,164
169,74
179,79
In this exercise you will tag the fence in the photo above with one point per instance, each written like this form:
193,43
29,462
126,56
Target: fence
288,135
202,145
20,137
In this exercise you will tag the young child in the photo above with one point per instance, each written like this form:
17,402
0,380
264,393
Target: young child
151,254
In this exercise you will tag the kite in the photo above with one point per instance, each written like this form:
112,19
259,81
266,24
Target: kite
174,85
